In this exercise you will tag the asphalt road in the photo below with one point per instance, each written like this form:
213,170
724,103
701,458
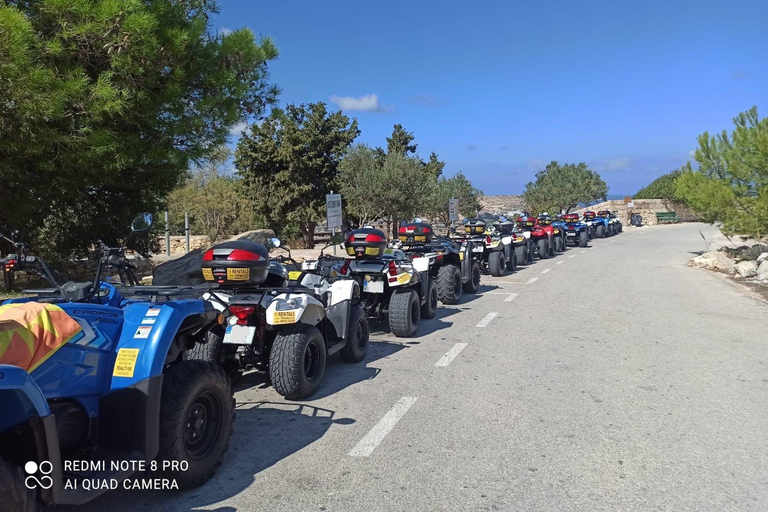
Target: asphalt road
608,378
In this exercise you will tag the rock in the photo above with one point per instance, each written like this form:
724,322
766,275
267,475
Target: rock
762,271
714,260
257,235
146,280
185,270
762,258
754,252
746,269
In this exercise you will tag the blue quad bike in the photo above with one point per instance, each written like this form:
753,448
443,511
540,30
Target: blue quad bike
602,225
576,231
119,403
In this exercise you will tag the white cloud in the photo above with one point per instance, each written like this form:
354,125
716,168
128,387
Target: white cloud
618,164
367,103
692,153
536,165
237,130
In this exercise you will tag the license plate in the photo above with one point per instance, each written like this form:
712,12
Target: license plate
283,317
571,234
239,334
479,248
238,274
420,238
373,286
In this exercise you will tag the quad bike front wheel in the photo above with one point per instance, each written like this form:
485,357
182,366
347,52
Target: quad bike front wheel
429,308
404,312
449,284
297,361
521,254
496,264
16,496
197,415
600,231
357,336
473,284
583,239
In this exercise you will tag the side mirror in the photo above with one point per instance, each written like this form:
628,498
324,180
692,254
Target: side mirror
273,243
142,222
337,239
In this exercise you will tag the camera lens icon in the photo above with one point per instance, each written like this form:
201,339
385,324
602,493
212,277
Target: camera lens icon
44,481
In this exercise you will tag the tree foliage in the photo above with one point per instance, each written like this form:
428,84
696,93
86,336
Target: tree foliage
401,142
663,187
563,187
731,184
214,201
456,187
104,103
290,161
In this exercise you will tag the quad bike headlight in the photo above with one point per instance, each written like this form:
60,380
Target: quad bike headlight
289,304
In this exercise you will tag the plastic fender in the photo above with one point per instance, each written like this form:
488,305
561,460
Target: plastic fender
309,265
308,310
507,240
149,328
421,264
217,304
16,379
343,289
526,234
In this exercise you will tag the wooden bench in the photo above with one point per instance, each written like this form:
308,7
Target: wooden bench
663,217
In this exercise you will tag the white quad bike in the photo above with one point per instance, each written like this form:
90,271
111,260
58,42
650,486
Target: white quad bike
287,330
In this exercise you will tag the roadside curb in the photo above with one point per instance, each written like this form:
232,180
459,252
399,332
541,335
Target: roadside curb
746,290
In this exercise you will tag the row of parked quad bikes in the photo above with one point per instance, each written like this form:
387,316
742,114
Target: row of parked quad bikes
146,372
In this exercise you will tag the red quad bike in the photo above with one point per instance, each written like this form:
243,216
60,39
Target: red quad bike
558,235
542,239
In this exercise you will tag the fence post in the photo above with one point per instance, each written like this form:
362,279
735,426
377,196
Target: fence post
186,230
167,236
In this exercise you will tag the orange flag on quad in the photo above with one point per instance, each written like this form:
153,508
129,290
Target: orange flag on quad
31,332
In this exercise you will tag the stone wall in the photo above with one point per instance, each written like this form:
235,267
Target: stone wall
647,208
178,243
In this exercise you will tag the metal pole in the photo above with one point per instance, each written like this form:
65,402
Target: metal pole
186,230
167,236
333,232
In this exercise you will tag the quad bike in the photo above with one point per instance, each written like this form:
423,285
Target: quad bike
602,225
614,224
491,248
577,232
105,384
542,237
557,235
588,218
450,264
393,285
285,329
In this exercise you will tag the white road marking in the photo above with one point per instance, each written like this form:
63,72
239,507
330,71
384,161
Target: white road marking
451,354
545,270
560,262
532,280
572,256
510,296
380,430
485,321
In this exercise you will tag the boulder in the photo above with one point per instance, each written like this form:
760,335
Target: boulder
185,270
746,269
762,271
714,260
762,258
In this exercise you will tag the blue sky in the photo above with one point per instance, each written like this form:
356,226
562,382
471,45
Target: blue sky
498,89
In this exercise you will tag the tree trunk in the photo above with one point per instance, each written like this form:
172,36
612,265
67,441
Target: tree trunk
308,233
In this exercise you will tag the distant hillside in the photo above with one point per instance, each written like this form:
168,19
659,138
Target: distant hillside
501,203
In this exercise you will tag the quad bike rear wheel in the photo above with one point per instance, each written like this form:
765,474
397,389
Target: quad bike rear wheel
211,351
601,231
542,246
297,361
449,284
358,336
197,415
521,254
16,496
473,284
405,312
429,308
496,263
